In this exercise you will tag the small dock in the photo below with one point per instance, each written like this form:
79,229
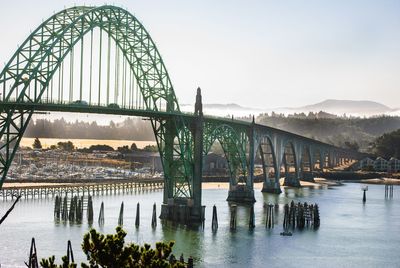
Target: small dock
44,190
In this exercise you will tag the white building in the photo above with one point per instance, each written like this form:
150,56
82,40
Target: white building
365,163
381,164
394,165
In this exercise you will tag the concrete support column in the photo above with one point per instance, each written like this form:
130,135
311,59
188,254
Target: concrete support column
273,185
294,180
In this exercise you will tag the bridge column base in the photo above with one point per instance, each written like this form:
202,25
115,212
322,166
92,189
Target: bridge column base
292,182
182,211
308,176
241,194
271,187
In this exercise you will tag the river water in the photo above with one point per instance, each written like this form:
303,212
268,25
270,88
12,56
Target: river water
352,234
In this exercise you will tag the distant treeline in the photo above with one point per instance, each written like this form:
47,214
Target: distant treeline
340,131
346,132
129,129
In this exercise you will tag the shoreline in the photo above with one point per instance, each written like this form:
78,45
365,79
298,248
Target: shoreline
319,182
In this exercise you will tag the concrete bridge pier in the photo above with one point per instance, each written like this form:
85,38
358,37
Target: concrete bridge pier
182,210
308,176
292,180
241,193
272,185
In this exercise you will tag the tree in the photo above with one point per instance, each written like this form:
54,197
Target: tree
110,251
134,147
123,149
150,148
37,144
66,146
388,145
351,145
100,147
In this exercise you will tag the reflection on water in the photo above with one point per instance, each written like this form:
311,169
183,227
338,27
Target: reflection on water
351,234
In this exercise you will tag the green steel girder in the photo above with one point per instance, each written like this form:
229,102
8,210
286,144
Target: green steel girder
27,75
234,141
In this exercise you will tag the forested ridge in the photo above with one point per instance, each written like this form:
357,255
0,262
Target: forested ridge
334,130
129,129
340,131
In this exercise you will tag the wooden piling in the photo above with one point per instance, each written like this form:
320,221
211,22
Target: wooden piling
154,216
65,209
292,215
214,222
70,253
101,215
233,218
316,217
137,220
78,214
90,210
251,219
270,217
286,218
121,215
33,259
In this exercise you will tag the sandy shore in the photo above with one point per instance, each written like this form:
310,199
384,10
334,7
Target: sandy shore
380,181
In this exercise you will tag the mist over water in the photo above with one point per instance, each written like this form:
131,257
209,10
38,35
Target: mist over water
352,234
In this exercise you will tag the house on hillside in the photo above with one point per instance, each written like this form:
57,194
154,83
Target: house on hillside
394,165
380,164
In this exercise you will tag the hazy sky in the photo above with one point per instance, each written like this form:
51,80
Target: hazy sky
256,53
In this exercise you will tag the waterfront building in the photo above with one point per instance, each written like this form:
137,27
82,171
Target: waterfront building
366,163
394,165
380,164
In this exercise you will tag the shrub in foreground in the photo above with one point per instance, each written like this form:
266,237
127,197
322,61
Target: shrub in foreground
110,251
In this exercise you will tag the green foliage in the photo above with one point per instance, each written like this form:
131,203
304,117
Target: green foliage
110,251
351,145
150,148
99,147
134,147
332,129
132,128
37,144
124,149
66,146
388,145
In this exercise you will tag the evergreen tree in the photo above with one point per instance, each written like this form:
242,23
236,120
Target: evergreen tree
37,144
110,251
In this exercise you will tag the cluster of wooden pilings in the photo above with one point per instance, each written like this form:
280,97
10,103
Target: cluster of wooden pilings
74,212
300,216
388,191
92,189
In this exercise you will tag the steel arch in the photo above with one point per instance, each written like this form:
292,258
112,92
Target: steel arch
233,142
39,57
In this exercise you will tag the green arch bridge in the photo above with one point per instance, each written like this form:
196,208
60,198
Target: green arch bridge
102,60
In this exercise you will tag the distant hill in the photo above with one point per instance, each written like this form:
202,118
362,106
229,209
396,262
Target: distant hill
347,107
331,106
